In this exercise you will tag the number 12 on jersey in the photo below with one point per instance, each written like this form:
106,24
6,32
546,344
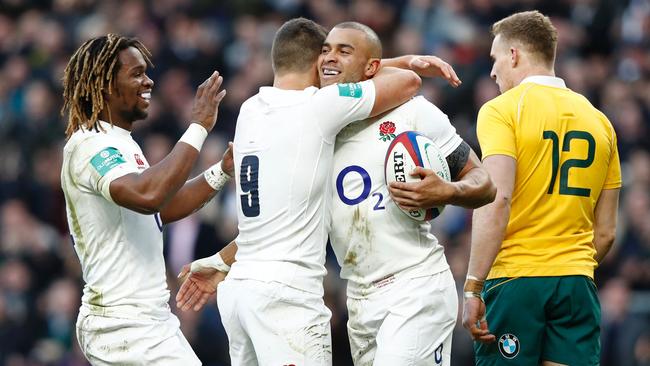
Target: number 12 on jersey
248,173
565,189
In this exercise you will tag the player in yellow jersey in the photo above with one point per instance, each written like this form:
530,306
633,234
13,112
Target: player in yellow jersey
554,160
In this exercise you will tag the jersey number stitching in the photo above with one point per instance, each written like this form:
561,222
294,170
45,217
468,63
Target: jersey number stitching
248,173
565,189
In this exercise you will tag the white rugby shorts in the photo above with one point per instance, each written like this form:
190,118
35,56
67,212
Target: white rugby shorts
269,323
409,323
118,341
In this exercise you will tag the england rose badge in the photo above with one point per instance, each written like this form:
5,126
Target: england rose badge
386,131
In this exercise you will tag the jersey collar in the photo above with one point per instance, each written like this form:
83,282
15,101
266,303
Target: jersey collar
545,80
284,97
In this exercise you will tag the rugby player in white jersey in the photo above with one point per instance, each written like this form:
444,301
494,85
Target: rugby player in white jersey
116,203
271,303
402,299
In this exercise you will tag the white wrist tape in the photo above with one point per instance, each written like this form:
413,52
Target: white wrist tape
195,136
469,295
214,261
216,177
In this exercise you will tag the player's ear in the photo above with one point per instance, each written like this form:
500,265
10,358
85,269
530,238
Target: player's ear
372,67
514,56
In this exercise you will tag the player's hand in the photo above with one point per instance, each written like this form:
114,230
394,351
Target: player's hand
207,99
430,192
197,287
227,162
474,320
432,66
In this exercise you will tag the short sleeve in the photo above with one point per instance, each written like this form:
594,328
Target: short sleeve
432,122
96,164
496,134
613,179
335,106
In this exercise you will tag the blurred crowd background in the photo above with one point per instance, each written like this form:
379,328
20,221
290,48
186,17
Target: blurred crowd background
603,53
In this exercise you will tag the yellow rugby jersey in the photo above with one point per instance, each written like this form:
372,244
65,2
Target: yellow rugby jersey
566,154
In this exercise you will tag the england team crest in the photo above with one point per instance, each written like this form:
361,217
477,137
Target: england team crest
138,159
386,131
508,345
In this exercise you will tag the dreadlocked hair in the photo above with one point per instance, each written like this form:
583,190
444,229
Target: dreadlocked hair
89,74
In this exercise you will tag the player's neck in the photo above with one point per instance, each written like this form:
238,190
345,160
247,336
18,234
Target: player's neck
113,118
533,70
294,81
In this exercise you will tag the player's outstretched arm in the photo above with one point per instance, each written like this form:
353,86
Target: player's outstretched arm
150,190
393,87
488,230
606,216
197,288
424,66
197,192
471,186
199,279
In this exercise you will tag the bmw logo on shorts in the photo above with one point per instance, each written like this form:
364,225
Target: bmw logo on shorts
508,345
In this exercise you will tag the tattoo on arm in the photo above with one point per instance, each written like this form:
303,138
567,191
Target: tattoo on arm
457,159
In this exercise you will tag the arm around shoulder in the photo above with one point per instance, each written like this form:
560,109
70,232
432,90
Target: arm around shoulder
393,87
424,66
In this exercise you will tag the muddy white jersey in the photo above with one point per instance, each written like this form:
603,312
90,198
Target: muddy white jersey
284,146
373,240
121,251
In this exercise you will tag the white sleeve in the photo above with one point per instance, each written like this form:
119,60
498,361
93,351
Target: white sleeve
336,106
432,122
96,164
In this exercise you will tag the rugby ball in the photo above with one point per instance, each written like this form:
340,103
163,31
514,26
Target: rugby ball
408,150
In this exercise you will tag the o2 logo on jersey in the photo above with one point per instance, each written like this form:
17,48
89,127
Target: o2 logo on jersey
508,345
365,192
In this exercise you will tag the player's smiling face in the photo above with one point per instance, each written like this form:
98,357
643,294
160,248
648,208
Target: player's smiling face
131,89
502,70
344,57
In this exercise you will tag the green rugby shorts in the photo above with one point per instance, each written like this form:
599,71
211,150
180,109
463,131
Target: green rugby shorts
541,318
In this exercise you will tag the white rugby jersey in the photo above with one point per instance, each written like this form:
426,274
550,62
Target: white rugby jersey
284,145
121,251
373,240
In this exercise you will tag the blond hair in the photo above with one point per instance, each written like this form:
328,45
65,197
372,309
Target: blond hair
533,30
